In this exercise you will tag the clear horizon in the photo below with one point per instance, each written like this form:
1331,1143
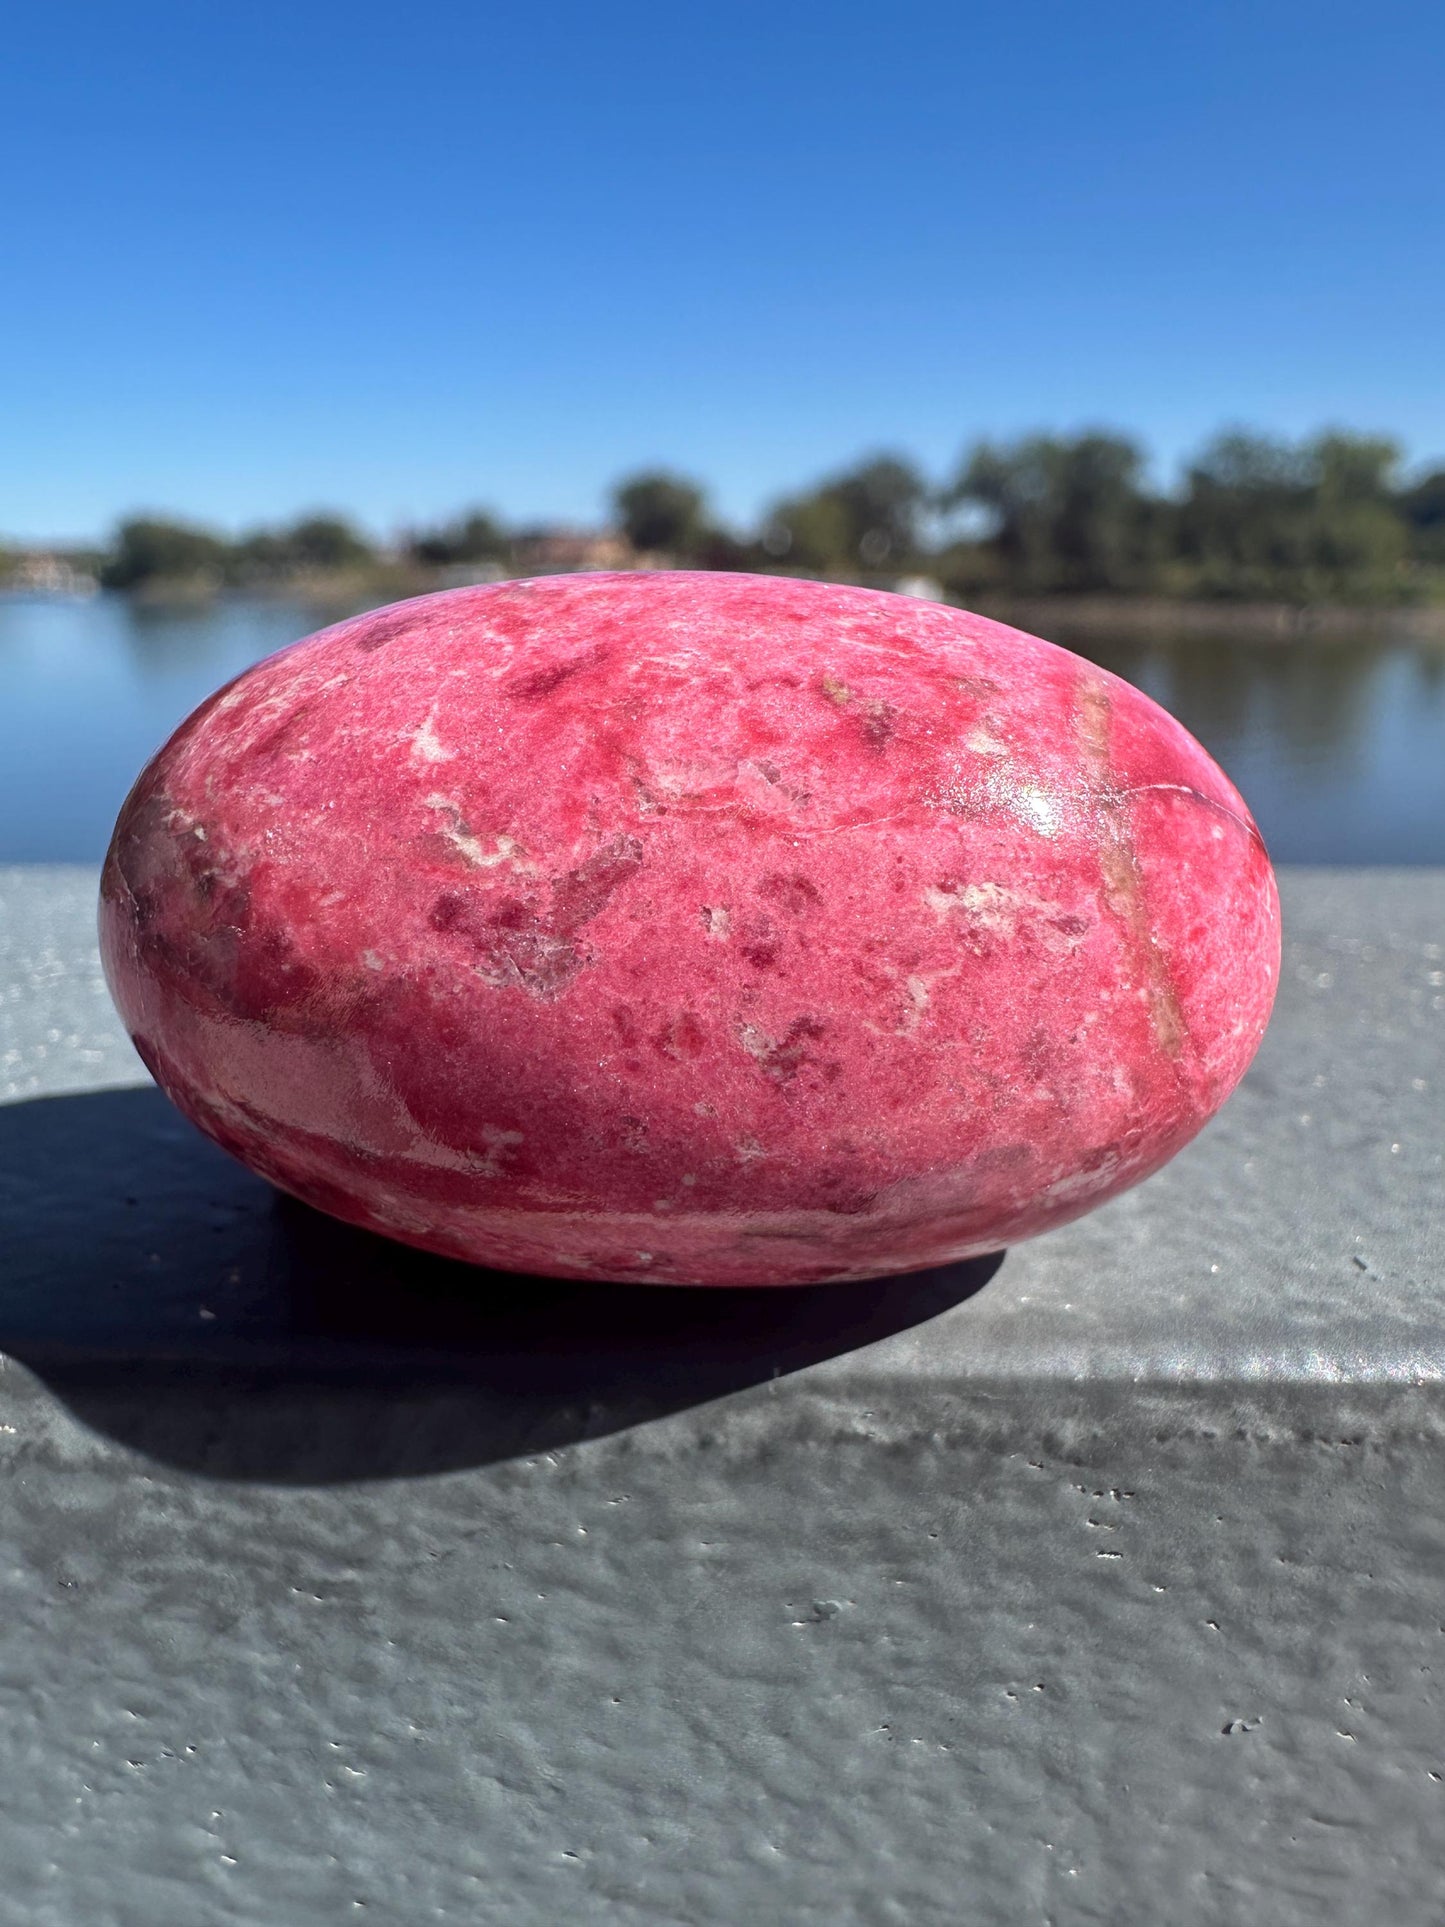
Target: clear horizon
396,269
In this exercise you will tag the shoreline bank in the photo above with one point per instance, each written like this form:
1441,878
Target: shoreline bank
331,596
1158,618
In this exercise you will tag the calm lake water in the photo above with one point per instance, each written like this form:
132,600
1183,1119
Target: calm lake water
1339,746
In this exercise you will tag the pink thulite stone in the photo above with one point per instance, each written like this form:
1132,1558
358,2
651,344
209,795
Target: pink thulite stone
702,929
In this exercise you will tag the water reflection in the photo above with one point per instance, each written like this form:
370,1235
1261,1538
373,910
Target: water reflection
1339,745
1313,702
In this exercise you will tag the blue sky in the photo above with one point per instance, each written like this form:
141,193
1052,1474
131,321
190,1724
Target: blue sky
400,259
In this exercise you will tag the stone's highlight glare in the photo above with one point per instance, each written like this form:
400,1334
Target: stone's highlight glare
692,929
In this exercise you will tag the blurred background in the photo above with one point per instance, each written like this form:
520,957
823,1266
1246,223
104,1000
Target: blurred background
1123,324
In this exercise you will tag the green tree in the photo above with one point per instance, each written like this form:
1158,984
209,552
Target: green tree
1294,521
1422,508
259,556
326,542
661,513
149,548
1360,540
474,537
813,533
714,548
866,519
1244,522
317,543
1064,514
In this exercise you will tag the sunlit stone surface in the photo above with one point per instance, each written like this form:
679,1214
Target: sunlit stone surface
690,928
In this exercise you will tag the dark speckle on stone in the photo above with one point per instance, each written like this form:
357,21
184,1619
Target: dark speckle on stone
383,630
794,894
533,686
877,721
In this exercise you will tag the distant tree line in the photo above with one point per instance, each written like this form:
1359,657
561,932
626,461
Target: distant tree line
150,548
1326,519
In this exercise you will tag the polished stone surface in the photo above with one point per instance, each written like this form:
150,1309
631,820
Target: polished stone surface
696,929
1099,1584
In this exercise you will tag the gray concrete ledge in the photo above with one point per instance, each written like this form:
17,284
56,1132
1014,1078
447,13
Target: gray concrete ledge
1100,1584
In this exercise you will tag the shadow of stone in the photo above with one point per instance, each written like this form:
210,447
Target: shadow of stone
180,1305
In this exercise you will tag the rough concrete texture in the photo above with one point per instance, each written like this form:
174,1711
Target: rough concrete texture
1102,1584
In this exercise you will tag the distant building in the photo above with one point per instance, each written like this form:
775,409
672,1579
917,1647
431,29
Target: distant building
40,573
555,551
469,575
